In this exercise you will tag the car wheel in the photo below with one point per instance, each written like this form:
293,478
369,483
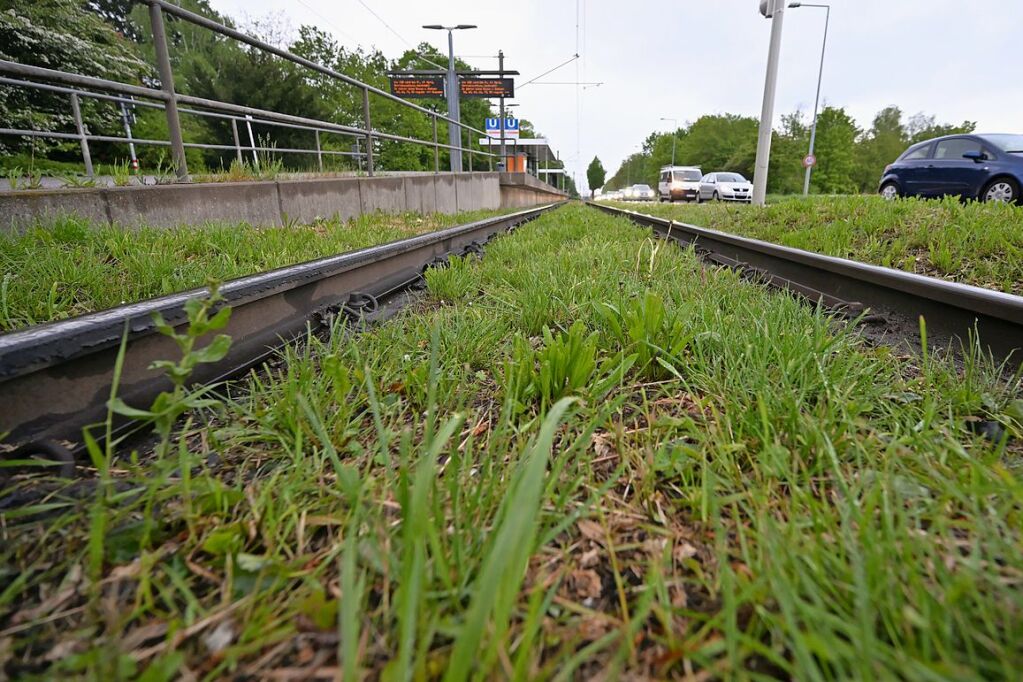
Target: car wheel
716,197
890,191
1001,190
699,198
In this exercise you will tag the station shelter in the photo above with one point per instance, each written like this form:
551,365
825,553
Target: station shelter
531,155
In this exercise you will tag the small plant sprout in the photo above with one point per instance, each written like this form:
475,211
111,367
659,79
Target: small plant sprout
170,405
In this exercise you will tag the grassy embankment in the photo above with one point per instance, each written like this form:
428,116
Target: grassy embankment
70,267
733,487
980,244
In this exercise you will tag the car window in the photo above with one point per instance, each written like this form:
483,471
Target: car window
730,177
687,175
921,152
1007,143
955,148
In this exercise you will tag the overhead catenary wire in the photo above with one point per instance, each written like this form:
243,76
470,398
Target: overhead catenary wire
548,71
400,36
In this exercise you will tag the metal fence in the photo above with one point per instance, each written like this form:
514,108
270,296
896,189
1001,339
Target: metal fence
77,86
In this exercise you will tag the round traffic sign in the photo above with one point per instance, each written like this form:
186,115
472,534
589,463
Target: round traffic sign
809,160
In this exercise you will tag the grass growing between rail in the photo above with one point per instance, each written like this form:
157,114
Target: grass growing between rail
69,267
583,455
979,244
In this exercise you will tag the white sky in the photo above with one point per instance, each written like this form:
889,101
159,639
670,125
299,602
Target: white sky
955,59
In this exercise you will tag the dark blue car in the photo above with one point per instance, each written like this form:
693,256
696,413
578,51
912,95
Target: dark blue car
983,167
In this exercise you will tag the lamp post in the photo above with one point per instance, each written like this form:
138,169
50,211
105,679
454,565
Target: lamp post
454,131
674,122
820,75
775,11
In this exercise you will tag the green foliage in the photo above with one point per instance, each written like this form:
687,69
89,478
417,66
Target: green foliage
975,243
562,366
595,174
68,266
801,503
62,35
849,160
168,406
455,281
644,326
111,39
835,150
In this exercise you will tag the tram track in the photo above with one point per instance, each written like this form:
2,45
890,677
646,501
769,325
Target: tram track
890,299
55,378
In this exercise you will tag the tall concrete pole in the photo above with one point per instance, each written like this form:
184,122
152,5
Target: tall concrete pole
500,68
454,136
767,112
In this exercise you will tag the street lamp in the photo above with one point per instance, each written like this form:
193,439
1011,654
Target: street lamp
820,74
454,131
775,11
674,122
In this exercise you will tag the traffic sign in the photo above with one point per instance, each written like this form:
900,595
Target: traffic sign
809,160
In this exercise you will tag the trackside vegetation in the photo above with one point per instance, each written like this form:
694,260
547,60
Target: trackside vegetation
974,243
69,267
584,456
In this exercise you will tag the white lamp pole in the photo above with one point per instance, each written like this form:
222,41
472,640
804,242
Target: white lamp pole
775,10
451,88
820,75
674,122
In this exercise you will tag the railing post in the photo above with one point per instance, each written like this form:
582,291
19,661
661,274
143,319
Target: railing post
436,149
163,66
469,147
369,131
252,141
76,111
319,154
237,142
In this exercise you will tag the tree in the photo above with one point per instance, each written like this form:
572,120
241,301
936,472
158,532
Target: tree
61,35
879,145
595,174
835,151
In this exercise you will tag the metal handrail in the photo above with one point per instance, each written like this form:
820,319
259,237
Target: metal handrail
200,20
167,99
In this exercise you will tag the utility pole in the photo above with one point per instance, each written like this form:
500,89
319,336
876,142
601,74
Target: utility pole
500,68
775,10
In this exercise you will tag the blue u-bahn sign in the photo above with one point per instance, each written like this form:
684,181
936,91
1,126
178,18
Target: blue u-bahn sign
511,127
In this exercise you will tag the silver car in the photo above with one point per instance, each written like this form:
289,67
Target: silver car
725,187
640,193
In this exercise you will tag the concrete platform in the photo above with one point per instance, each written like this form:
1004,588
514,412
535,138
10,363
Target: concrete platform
275,202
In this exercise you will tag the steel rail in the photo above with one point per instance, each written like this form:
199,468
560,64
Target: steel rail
55,378
951,310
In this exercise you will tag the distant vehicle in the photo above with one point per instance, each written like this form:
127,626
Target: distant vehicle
679,182
725,187
983,167
640,193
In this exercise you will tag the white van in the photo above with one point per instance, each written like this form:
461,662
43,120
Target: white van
679,182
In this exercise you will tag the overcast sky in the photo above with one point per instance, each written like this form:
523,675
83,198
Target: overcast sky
955,59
